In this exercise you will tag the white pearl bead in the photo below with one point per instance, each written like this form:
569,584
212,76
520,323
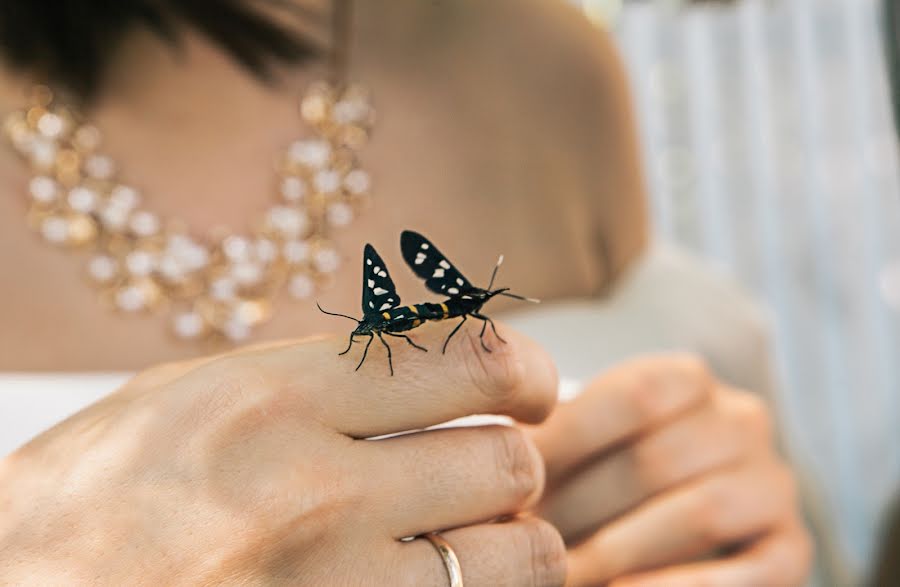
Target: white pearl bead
288,221
188,325
265,250
55,229
310,153
50,125
246,273
140,263
114,218
191,255
43,189
102,268
327,181
130,299
144,223
171,269
222,289
339,214
124,197
327,260
293,189
301,286
350,110
43,152
295,252
357,182
235,330
82,199
236,248
99,167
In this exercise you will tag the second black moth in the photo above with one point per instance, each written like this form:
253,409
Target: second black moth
442,277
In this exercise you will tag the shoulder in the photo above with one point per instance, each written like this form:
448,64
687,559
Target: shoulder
546,46
574,87
524,41
533,88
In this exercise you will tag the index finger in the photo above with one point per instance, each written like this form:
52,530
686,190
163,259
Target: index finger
516,379
621,404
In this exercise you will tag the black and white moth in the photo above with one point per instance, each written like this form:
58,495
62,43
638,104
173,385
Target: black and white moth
442,277
382,313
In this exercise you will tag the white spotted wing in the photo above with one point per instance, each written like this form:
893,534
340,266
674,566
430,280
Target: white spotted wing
430,264
378,293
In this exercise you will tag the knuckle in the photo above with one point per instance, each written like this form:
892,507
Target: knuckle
654,466
643,395
657,386
497,375
714,517
693,366
755,416
687,365
518,464
546,553
694,373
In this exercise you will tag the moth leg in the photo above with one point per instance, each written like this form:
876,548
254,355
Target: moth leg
481,334
350,345
365,352
464,318
493,327
388,347
485,321
408,339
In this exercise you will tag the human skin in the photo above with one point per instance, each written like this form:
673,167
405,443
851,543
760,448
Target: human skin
253,469
503,127
659,475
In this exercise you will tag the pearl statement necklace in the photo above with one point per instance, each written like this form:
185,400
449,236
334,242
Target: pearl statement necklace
215,288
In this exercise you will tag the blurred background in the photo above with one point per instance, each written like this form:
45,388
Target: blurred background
770,149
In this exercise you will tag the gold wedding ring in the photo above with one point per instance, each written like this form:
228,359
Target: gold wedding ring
451,563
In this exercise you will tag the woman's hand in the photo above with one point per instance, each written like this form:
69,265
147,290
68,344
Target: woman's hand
251,468
658,475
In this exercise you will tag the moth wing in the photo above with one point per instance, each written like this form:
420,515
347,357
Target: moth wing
378,291
426,261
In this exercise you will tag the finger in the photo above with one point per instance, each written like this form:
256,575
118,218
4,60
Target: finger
454,477
524,551
622,403
517,379
723,432
779,559
692,520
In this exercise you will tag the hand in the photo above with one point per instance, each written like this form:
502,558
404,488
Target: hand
658,475
251,468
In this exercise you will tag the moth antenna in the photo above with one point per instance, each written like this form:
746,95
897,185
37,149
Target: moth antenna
494,274
334,314
522,298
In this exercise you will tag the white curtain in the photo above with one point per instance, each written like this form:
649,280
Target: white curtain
769,148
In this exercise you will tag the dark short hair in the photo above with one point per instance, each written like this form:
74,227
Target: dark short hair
69,43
